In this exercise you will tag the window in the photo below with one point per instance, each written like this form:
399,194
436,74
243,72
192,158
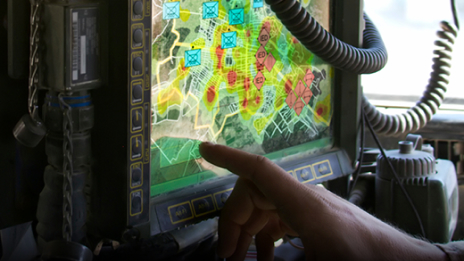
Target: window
408,28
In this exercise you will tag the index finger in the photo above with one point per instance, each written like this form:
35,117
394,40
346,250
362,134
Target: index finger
291,198
263,172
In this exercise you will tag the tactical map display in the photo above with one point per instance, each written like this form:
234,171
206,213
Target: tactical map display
229,72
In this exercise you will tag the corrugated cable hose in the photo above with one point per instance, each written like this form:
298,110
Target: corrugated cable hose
417,116
315,38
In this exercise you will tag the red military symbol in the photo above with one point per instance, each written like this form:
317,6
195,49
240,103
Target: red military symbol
298,107
300,88
261,55
270,61
259,80
307,94
291,98
263,37
309,78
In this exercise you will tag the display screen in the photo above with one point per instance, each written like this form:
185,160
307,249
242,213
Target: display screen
229,72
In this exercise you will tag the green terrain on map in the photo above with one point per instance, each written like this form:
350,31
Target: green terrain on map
229,72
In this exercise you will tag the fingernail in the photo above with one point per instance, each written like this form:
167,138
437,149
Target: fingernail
206,143
204,146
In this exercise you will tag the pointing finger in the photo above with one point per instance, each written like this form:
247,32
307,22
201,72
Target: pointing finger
294,201
268,177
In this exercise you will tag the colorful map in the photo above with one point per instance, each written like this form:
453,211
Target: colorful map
229,72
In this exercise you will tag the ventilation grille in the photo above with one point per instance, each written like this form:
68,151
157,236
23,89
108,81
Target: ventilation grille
452,150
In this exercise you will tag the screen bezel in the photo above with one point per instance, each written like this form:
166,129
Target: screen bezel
109,205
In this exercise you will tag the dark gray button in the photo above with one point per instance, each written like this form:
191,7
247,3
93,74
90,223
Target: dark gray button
203,206
181,212
136,175
137,92
138,36
224,197
136,147
136,118
138,64
305,174
136,204
323,169
138,8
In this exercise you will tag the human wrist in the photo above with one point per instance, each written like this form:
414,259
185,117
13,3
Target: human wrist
428,251
405,247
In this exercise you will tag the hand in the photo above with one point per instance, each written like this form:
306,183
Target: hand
269,203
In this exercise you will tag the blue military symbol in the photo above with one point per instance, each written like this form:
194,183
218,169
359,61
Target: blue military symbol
236,16
258,3
210,10
192,58
229,40
171,10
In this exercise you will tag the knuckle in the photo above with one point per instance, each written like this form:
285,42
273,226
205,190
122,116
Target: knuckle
259,163
261,160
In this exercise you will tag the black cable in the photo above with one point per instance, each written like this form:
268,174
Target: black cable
369,59
455,13
361,156
377,141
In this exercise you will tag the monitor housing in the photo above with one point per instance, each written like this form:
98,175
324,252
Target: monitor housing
118,203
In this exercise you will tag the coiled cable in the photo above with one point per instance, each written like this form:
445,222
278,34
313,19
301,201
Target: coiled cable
315,38
417,116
